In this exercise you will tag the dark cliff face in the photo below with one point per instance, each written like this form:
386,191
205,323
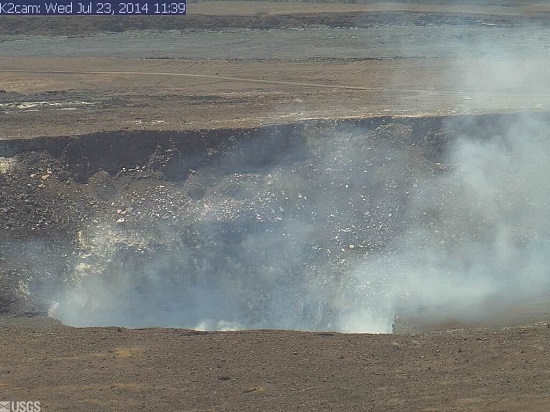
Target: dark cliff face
114,150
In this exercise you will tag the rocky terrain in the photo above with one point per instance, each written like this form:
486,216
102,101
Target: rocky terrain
102,203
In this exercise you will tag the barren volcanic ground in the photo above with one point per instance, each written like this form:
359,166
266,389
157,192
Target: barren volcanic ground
277,206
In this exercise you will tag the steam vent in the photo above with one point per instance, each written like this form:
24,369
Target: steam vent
319,225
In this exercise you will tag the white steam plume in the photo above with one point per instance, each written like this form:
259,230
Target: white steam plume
349,235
